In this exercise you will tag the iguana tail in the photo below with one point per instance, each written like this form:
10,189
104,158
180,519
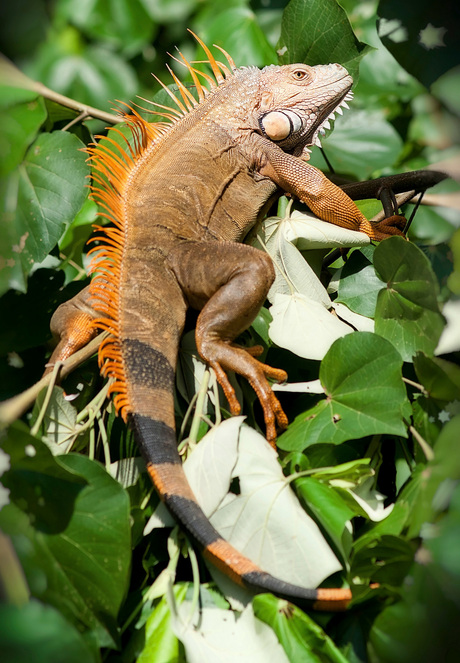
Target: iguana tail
158,445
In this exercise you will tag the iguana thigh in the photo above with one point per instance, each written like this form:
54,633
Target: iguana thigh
229,283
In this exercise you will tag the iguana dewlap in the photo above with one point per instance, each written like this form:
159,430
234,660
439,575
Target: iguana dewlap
180,200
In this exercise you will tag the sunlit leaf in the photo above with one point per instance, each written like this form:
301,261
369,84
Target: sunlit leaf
407,312
80,561
326,35
222,635
161,644
41,198
21,115
265,514
304,326
47,636
360,373
303,640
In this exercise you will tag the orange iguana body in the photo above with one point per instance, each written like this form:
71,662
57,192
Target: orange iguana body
181,199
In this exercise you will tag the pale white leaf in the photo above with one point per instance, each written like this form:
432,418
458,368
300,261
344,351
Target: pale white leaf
309,232
304,326
292,272
126,470
220,635
359,322
312,387
370,500
208,470
190,369
450,337
265,521
210,467
159,518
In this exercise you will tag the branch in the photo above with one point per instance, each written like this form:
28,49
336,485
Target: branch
11,75
15,407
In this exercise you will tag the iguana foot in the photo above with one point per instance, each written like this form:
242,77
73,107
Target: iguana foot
242,362
392,225
72,324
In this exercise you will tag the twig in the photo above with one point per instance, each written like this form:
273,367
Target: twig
11,75
13,408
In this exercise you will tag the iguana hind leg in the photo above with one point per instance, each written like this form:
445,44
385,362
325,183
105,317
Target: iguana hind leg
229,282
72,326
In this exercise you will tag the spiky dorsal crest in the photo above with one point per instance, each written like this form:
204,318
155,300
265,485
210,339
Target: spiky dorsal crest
113,164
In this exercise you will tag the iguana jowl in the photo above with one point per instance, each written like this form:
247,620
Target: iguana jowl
180,200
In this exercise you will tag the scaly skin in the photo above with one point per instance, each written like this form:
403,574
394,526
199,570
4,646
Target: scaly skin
181,204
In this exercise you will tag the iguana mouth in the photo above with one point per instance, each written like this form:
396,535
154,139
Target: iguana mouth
325,122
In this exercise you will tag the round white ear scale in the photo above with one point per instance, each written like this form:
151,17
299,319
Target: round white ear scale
278,125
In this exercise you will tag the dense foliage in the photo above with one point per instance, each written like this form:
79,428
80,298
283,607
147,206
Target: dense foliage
90,568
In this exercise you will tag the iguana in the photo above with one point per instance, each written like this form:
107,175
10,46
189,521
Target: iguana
180,200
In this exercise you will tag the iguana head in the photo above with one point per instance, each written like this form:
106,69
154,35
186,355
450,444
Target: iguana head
296,102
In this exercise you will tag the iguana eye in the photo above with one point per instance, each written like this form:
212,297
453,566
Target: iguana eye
300,74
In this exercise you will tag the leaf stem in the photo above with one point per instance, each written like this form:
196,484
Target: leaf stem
36,427
425,447
196,584
199,408
418,386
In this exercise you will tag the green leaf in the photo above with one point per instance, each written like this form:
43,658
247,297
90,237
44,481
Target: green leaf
21,115
41,198
125,26
454,278
74,546
330,512
440,378
38,633
37,483
431,225
425,492
94,75
407,312
170,11
318,32
237,31
303,640
161,644
359,285
386,559
361,375
422,626
423,42
363,142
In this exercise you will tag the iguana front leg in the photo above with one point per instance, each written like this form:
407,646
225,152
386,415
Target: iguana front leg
324,198
229,282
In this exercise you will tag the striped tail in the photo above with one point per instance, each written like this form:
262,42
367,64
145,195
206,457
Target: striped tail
157,443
